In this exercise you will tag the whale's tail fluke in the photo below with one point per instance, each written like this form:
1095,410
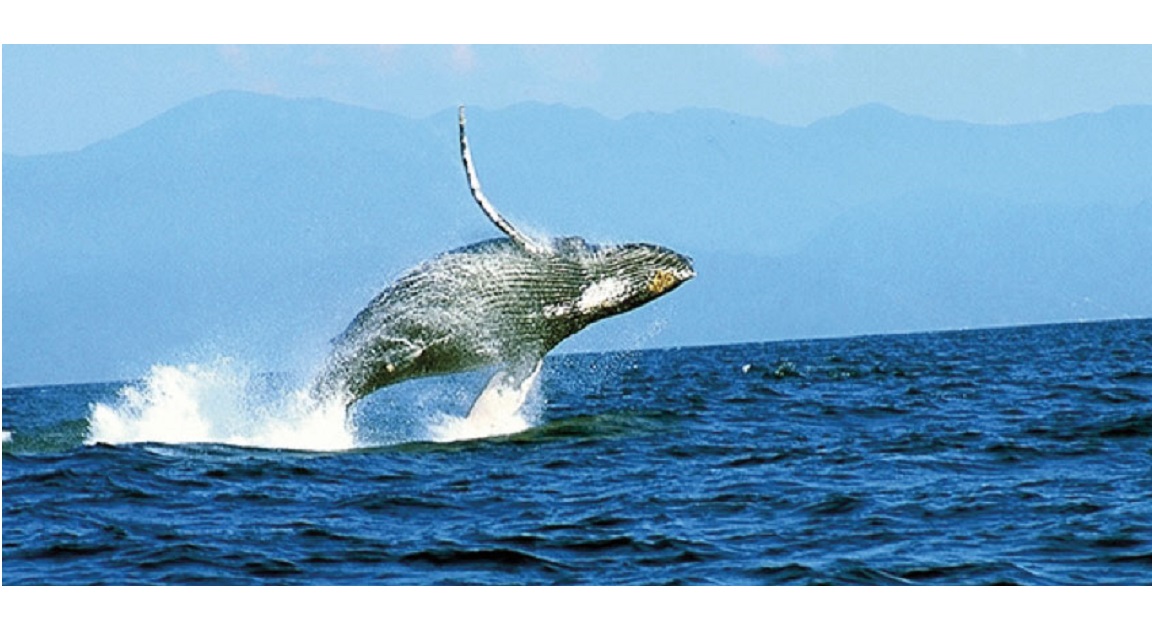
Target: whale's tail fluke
526,243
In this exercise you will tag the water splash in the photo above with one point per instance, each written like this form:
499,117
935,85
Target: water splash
500,410
224,403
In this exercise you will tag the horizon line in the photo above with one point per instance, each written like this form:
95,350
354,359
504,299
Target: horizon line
561,353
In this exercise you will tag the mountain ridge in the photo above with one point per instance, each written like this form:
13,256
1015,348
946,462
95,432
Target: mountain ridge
264,222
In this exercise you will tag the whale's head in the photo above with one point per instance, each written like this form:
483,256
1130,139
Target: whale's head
622,277
612,278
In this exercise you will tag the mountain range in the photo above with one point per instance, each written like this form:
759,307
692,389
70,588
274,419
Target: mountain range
256,227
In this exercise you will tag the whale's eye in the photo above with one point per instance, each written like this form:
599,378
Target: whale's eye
661,281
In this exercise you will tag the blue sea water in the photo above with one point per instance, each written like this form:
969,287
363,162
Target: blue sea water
1005,456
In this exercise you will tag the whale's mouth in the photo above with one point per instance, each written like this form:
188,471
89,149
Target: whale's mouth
664,280
661,281
667,278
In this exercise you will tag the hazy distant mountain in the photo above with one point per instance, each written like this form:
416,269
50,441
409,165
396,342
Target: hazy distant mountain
254,226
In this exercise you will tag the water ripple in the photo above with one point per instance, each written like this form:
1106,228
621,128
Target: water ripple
1013,456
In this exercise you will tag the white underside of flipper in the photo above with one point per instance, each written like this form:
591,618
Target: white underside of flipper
496,412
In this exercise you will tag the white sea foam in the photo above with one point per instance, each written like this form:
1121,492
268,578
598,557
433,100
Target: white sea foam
500,410
222,403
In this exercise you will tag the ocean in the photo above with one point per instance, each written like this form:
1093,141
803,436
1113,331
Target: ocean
980,457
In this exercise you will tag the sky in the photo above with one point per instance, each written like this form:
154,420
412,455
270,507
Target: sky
62,98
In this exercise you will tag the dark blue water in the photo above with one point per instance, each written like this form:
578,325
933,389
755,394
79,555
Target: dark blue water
1009,456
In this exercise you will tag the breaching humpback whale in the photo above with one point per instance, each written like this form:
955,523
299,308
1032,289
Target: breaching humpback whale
506,301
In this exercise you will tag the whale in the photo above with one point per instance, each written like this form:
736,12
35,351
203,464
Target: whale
505,301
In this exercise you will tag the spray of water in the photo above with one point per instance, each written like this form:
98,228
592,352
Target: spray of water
224,403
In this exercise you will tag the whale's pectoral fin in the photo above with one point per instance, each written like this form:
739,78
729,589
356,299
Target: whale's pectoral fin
525,242
506,392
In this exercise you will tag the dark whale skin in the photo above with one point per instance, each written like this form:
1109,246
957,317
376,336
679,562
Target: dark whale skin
490,303
505,301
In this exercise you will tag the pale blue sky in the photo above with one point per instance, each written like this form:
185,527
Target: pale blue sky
58,98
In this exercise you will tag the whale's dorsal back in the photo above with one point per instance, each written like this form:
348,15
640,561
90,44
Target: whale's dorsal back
505,301
523,241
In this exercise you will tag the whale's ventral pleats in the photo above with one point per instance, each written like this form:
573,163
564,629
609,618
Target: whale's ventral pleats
506,301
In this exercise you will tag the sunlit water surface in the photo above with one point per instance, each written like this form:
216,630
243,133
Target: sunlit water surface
1010,456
